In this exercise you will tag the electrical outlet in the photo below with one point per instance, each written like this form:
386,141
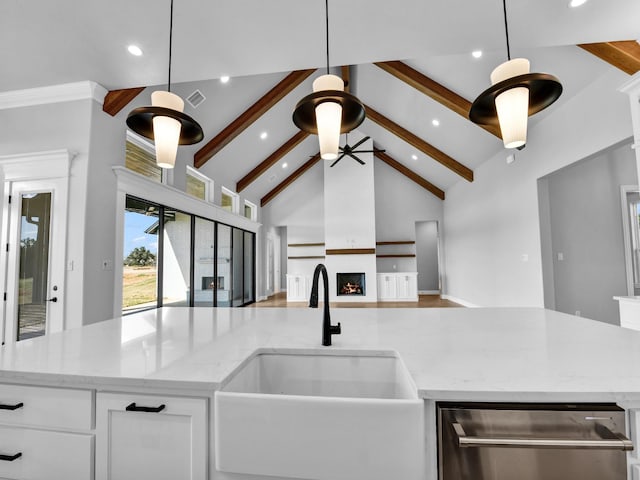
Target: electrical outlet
560,256
70,265
525,257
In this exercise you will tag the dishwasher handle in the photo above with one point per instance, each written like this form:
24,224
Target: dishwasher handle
607,441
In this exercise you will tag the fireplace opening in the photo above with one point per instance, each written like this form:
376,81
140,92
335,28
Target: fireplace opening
351,284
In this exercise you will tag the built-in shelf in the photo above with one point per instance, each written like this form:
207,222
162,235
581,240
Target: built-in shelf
305,258
351,251
399,242
398,255
305,245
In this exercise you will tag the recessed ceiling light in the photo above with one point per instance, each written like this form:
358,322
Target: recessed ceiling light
134,50
414,157
263,135
224,79
577,3
435,122
476,53
285,165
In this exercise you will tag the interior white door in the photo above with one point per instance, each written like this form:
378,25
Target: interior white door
35,233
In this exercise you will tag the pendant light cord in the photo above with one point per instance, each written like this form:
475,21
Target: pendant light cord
506,27
326,13
170,40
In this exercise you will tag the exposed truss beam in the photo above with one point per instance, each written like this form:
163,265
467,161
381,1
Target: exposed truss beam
116,100
346,77
420,144
254,112
270,161
407,172
624,55
433,90
290,179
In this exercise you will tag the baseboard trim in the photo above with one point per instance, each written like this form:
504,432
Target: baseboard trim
462,302
262,298
428,292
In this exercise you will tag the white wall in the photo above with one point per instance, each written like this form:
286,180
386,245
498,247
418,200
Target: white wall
400,203
586,229
491,228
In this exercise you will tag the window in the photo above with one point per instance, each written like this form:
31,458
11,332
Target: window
250,210
174,258
140,157
140,271
199,185
229,200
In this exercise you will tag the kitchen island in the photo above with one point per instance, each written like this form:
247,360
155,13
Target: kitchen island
488,354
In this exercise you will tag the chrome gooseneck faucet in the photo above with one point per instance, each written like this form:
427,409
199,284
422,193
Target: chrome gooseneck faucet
327,328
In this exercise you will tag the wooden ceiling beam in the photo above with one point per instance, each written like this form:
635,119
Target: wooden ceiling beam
254,112
624,55
407,172
420,144
433,90
346,77
290,179
116,100
270,161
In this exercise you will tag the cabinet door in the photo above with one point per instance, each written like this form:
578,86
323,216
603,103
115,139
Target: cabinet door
30,454
167,442
386,286
407,286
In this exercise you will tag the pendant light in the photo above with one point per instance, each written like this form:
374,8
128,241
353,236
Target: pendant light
164,122
329,110
515,94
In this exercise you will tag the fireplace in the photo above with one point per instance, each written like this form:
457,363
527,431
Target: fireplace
350,284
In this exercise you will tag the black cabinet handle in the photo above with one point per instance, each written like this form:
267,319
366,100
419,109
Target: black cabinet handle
11,407
132,407
10,458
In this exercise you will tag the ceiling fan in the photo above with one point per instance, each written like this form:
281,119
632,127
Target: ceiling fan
351,151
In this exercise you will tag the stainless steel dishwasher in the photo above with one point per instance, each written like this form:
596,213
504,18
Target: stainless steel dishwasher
496,441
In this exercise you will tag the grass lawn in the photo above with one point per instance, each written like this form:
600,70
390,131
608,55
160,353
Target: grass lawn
138,286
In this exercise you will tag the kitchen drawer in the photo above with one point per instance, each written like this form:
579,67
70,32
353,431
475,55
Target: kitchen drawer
45,454
46,407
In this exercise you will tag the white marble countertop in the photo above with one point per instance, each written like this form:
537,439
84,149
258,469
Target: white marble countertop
635,298
484,354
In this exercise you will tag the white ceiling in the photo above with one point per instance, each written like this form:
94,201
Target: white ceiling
256,42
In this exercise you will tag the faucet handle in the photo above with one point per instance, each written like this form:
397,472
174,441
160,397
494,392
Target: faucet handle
335,329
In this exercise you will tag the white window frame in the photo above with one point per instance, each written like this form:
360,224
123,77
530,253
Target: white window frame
254,210
208,183
235,200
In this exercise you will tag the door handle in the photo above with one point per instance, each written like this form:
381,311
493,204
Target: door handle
53,299
607,441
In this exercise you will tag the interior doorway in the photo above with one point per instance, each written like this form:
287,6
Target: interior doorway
33,255
428,257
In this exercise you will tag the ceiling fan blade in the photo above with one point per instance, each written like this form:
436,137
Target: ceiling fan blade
360,143
337,160
365,151
356,159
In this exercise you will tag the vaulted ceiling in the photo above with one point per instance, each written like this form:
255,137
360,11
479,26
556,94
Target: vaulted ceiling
260,43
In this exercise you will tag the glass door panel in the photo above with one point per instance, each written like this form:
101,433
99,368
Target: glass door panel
205,282
176,258
223,281
249,277
238,270
140,270
33,273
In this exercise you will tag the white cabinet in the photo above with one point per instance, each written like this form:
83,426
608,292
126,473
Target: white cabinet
398,287
149,436
386,286
298,288
31,448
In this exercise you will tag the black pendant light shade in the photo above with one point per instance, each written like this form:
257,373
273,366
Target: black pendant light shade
544,89
353,113
140,120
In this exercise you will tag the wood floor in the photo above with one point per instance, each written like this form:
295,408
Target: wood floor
425,301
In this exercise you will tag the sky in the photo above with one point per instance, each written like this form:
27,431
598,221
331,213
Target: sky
134,226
